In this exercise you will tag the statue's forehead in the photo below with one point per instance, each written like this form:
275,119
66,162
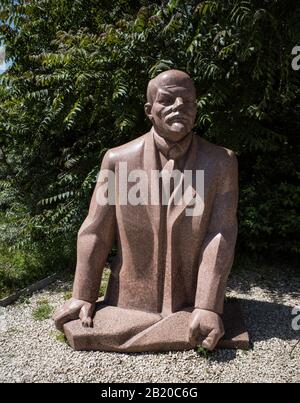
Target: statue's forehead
184,90
174,89
172,82
175,82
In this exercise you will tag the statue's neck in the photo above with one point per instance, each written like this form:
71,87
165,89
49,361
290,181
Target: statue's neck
170,149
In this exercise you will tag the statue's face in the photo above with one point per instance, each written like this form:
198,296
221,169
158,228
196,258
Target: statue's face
174,110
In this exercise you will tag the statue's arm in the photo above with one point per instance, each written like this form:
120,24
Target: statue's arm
95,240
206,325
219,245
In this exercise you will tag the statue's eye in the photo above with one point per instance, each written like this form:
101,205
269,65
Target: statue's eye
166,101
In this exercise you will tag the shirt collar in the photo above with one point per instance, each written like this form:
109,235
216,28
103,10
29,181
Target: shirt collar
170,149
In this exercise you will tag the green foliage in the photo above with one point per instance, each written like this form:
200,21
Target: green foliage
77,87
24,258
67,295
43,311
104,283
60,337
203,352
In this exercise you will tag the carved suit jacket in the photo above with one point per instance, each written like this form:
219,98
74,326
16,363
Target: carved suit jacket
166,260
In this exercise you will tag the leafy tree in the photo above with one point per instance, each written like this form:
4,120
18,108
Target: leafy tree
77,87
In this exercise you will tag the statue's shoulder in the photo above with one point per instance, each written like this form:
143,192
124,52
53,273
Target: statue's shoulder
124,152
214,152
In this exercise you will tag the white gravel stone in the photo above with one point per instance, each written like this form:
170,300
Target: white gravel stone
30,351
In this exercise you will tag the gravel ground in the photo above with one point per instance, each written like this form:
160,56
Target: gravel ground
30,349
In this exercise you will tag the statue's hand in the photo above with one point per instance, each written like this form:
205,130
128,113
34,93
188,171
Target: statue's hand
75,309
207,325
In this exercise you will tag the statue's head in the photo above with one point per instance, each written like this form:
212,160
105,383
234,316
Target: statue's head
171,105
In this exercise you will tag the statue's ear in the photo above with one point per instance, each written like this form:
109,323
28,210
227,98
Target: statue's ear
148,110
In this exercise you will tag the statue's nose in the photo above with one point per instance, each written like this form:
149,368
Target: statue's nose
178,102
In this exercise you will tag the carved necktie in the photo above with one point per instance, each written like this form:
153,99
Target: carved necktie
172,159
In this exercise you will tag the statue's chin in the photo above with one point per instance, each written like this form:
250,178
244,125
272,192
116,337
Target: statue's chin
177,131
178,127
174,132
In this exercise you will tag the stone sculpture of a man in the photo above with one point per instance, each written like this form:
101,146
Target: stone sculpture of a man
167,284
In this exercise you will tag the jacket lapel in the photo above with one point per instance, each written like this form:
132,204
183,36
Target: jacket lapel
176,210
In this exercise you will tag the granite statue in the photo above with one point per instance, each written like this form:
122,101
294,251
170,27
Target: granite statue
167,283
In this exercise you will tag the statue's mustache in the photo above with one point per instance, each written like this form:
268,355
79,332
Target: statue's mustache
176,116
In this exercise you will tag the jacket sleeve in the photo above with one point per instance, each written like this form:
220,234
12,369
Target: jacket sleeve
95,240
219,244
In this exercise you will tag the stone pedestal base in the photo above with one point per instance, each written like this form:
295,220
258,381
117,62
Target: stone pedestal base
128,331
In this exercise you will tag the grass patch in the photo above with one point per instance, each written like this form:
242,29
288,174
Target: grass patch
245,351
67,295
104,283
60,337
43,311
203,352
